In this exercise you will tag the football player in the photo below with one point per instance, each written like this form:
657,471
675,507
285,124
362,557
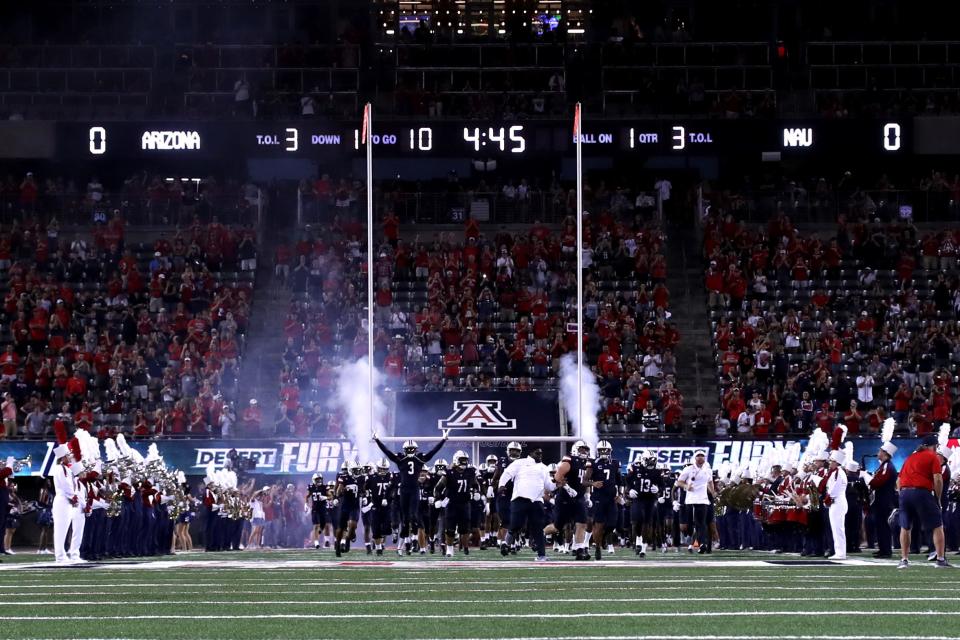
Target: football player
410,464
607,489
316,502
573,476
349,492
488,515
455,492
366,506
643,489
381,490
504,494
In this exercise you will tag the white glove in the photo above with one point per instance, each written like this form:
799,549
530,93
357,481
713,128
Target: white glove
570,491
633,494
442,503
306,508
589,503
364,502
490,491
383,503
430,501
654,489
366,508
486,509
553,501
335,502
215,507
660,500
477,496
676,505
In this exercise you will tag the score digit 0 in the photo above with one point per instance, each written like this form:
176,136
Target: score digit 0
891,136
98,141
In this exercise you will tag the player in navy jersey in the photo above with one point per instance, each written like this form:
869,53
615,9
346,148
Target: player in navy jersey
606,492
381,489
505,493
366,506
667,519
349,492
410,463
488,514
316,501
572,478
643,488
432,522
457,492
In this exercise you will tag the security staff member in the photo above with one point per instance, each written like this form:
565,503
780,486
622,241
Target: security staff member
921,486
697,481
531,478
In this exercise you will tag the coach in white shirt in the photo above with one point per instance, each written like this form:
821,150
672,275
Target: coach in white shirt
531,479
697,481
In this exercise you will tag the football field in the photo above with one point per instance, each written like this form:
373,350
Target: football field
310,594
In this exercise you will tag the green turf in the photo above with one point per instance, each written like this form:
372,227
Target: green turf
435,600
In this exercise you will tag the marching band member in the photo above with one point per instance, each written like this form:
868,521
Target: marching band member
836,490
884,487
66,501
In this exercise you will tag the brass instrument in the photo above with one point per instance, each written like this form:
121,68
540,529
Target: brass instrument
20,463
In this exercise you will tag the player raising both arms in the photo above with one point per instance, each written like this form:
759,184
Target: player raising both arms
458,488
410,463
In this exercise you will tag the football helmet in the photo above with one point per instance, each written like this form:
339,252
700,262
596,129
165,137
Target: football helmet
344,467
316,478
580,449
440,465
514,450
552,469
461,459
355,470
410,447
604,449
492,461
649,459
368,467
383,465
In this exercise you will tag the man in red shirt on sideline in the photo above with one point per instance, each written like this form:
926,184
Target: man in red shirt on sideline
921,485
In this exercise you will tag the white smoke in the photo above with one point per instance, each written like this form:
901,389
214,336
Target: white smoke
590,398
352,396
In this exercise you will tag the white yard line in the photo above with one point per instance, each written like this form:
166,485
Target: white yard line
391,601
463,616
435,564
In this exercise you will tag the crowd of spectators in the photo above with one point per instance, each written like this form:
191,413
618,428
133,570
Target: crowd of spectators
139,198
852,326
119,334
482,310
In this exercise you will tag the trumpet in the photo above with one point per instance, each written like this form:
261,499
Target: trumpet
20,463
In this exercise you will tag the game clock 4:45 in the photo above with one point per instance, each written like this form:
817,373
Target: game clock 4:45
496,138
